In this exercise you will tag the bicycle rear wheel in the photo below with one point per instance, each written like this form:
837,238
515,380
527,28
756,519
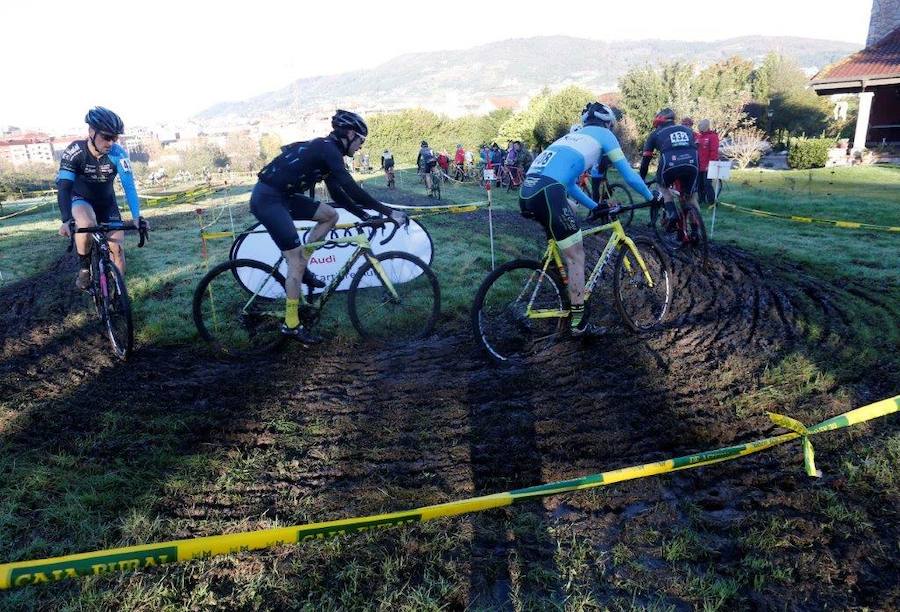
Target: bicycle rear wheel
378,315
619,194
116,308
239,307
641,301
660,219
696,235
519,309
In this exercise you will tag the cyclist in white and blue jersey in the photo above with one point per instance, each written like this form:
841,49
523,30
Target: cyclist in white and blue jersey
554,174
85,187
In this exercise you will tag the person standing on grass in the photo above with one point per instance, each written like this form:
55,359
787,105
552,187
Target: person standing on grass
707,151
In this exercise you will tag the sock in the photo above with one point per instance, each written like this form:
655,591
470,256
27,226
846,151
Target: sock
291,318
576,313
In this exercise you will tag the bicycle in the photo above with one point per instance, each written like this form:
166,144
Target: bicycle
510,177
238,306
523,305
615,192
107,288
686,233
436,178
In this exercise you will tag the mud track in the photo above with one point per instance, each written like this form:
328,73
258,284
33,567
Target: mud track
392,429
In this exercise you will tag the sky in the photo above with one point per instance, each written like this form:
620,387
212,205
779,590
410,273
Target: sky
166,60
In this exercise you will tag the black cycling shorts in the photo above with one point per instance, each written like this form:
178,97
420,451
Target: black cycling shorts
544,199
106,210
277,212
681,167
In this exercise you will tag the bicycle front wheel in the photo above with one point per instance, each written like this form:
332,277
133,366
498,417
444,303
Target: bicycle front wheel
116,308
396,303
519,309
642,297
239,307
620,195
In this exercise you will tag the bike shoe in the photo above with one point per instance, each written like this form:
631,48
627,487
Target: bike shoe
311,280
588,331
301,334
83,280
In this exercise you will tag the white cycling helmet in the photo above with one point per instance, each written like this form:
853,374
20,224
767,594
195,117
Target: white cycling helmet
597,113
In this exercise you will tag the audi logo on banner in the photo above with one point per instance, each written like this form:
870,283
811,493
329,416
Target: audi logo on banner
327,260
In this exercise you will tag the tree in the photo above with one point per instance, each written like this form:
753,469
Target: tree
269,147
561,110
242,151
779,86
747,145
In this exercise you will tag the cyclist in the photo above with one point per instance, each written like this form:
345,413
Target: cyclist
426,161
553,174
677,160
279,198
459,159
387,164
85,188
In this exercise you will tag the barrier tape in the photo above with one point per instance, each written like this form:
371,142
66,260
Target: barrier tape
25,210
801,219
25,573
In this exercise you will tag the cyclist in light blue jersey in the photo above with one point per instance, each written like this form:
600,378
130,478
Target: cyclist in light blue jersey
85,187
554,174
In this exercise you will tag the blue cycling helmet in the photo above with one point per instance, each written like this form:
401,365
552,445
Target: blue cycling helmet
104,120
346,120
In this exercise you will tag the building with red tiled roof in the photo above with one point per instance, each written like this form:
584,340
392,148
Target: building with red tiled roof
873,74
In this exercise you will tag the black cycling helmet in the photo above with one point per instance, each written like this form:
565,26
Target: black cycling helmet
666,115
424,143
104,120
597,113
346,120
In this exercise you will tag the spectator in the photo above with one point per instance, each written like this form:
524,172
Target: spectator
525,157
688,123
707,151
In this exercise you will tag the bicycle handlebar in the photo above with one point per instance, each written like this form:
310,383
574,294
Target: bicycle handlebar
105,228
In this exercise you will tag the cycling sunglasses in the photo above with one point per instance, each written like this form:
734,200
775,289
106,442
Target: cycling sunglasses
108,137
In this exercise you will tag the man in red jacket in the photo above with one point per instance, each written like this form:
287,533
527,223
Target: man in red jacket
707,151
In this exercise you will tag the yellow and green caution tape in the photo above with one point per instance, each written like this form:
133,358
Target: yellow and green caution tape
25,573
802,219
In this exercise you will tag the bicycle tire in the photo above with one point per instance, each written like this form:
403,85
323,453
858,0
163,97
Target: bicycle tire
117,311
641,306
223,317
659,219
696,228
378,316
95,280
617,192
499,321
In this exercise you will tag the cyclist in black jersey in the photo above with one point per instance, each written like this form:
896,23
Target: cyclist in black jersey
279,198
426,161
678,159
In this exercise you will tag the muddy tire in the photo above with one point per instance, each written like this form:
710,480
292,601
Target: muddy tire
499,320
229,313
641,305
698,246
379,316
116,310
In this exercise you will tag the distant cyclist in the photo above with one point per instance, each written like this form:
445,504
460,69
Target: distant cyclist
387,164
677,160
426,161
85,188
279,198
554,174
459,159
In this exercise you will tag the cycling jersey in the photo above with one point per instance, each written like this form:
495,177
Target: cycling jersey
460,157
387,160
677,156
87,178
297,170
566,159
426,159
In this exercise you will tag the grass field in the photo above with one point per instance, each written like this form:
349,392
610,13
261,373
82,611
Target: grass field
168,470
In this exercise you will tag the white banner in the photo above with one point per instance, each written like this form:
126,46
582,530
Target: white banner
328,260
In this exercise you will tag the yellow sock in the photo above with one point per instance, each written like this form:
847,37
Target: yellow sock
291,318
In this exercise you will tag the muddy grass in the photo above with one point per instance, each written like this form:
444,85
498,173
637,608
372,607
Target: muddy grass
177,444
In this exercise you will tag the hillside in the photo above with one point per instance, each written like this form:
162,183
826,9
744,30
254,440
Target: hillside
512,68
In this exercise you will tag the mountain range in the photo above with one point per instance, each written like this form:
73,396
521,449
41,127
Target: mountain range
514,68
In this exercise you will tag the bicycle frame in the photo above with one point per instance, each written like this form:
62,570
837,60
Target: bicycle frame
363,249
552,254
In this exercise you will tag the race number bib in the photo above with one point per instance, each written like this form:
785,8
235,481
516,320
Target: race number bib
679,139
543,159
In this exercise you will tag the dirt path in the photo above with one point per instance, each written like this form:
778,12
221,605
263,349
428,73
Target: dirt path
341,431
